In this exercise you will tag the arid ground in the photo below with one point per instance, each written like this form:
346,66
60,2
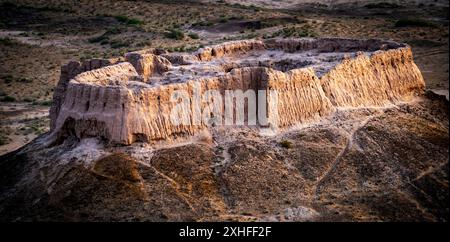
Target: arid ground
373,164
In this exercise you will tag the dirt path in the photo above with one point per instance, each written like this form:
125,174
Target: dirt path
337,159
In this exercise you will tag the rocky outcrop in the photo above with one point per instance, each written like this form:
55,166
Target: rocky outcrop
131,101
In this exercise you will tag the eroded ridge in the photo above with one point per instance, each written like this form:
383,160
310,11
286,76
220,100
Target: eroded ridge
128,99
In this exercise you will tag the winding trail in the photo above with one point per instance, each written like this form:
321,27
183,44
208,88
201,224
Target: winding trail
174,183
337,159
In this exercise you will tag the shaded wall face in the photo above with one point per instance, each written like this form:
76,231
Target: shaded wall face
68,72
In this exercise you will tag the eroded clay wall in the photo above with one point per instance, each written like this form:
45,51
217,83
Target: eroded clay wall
115,103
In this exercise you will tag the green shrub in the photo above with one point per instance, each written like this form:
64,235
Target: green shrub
424,43
194,36
381,5
203,23
175,34
8,78
116,44
223,20
286,144
127,20
6,41
46,102
4,140
25,80
414,23
97,39
235,18
43,103
370,128
8,99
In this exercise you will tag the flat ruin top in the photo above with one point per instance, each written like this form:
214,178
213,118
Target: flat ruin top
278,54
275,59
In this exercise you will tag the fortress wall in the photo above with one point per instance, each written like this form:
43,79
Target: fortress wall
95,96
68,72
228,48
300,97
147,111
385,77
112,102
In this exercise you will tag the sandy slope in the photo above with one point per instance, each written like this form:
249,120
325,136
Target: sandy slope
383,164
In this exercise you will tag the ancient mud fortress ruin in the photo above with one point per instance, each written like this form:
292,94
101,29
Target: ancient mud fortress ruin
127,99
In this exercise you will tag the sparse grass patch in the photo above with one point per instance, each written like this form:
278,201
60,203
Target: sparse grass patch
35,126
250,36
142,44
304,31
271,22
117,44
182,48
192,48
